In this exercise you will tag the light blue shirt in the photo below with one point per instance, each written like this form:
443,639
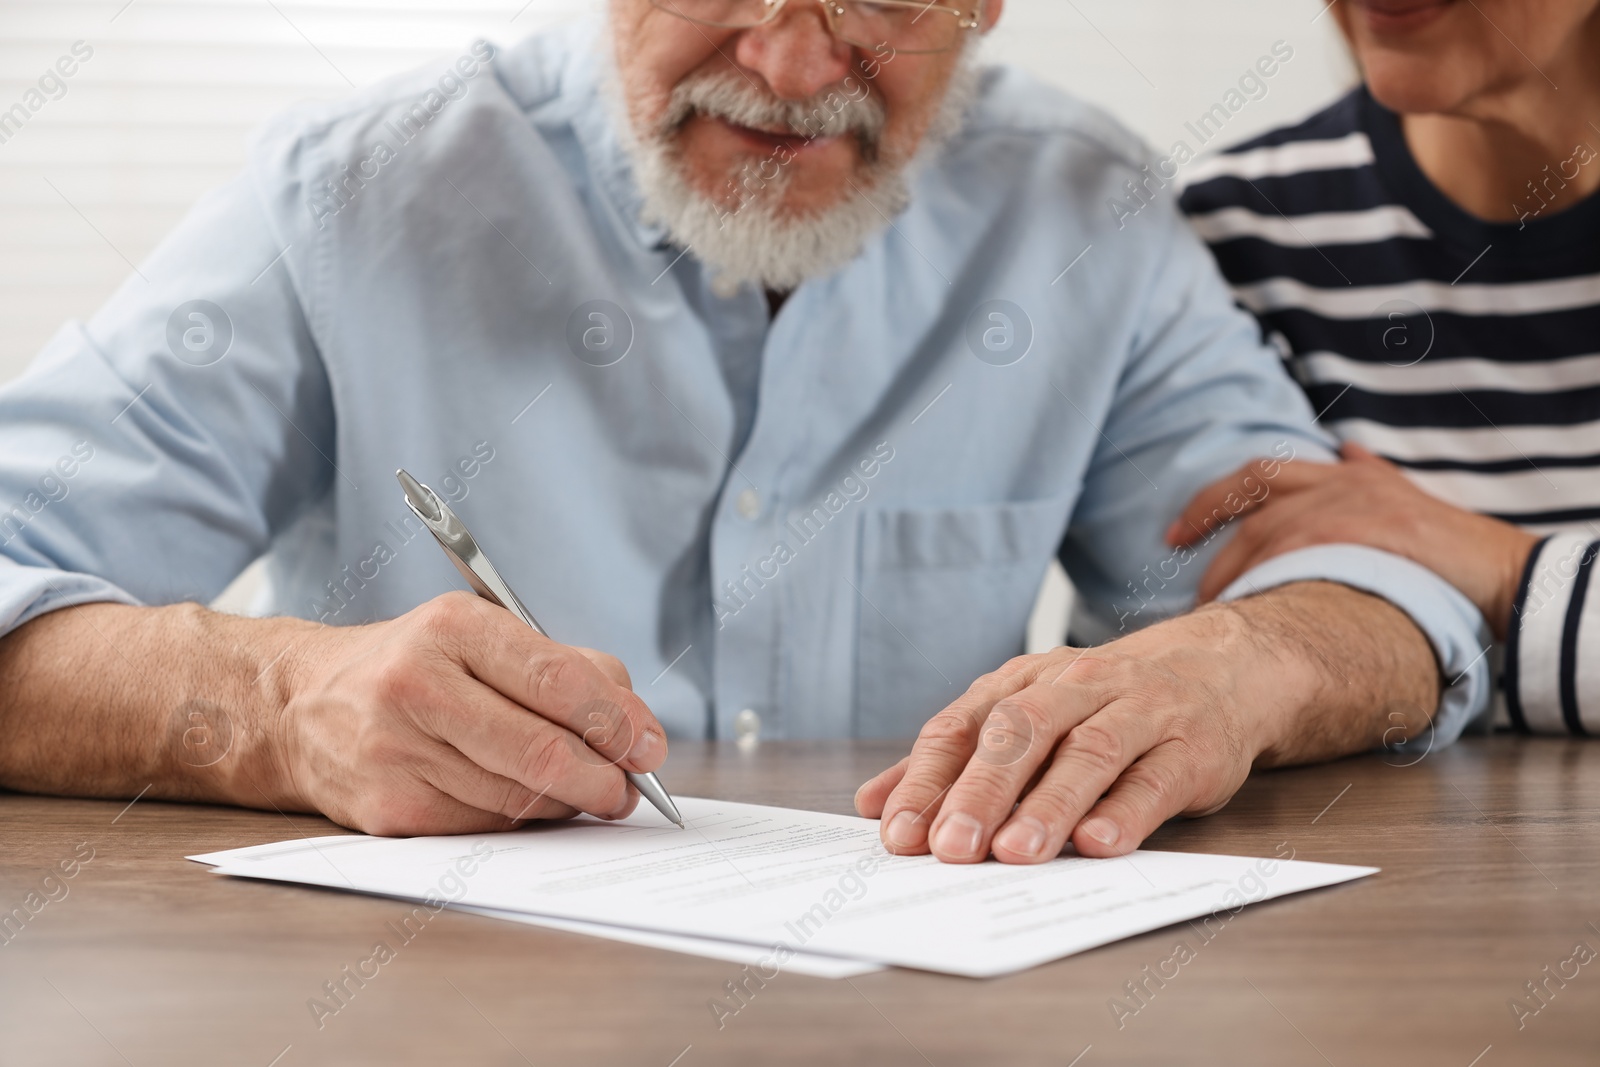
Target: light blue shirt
836,518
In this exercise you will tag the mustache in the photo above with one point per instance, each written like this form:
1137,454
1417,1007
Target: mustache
846,109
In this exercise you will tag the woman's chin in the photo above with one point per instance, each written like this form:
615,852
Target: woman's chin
1411,85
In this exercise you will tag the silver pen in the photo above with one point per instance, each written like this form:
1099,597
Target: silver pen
463,550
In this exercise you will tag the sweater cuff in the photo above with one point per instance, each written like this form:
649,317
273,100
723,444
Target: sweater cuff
1553,650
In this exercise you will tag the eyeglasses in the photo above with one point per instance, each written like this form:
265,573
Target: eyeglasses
915,26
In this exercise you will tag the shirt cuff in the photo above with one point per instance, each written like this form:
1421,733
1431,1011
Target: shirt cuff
1553,650
1451,622
28,592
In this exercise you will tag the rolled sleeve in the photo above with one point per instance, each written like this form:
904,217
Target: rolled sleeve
1452,624
28,592
137,469
1200,395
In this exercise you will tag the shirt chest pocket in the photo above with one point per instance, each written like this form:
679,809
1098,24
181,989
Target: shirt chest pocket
945,597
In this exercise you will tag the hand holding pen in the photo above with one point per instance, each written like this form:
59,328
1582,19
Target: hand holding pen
454,718
603,724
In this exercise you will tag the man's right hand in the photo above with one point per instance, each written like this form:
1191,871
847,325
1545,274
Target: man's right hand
458,718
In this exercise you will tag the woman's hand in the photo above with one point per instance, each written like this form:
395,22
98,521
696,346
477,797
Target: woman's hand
1364,500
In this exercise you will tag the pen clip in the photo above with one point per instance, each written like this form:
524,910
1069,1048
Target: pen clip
462,548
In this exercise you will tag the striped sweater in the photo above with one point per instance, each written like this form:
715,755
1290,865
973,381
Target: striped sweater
1467,352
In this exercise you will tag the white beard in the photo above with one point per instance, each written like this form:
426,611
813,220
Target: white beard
749,238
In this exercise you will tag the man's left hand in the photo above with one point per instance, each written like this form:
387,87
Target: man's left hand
1099,746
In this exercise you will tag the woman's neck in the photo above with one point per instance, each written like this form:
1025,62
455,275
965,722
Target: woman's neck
1522,153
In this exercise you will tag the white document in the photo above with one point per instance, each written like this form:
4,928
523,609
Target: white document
792,881
758,956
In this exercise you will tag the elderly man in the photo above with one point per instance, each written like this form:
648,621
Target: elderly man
773,348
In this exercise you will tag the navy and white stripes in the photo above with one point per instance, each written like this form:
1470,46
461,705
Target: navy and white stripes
1467,352
1552,678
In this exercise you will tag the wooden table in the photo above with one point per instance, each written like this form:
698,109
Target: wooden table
1491,871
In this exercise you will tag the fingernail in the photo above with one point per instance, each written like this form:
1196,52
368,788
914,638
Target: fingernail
959,835
1102,830
1024,836
904,831
646,753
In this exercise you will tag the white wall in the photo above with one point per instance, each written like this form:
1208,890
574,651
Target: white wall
1157,63
161,111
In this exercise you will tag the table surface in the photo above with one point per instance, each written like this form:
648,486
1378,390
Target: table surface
1490,852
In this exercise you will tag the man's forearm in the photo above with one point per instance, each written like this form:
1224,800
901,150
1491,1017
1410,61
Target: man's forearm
1355,672
453,718
107,699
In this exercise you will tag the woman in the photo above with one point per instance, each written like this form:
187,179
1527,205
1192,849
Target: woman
1426,254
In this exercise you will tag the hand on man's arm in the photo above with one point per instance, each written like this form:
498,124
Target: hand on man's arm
453,718
1100,746
1363,500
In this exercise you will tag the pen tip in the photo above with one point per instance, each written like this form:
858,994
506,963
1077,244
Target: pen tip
418,495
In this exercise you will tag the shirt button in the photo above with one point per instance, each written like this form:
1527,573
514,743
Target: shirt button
748,504
747,728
